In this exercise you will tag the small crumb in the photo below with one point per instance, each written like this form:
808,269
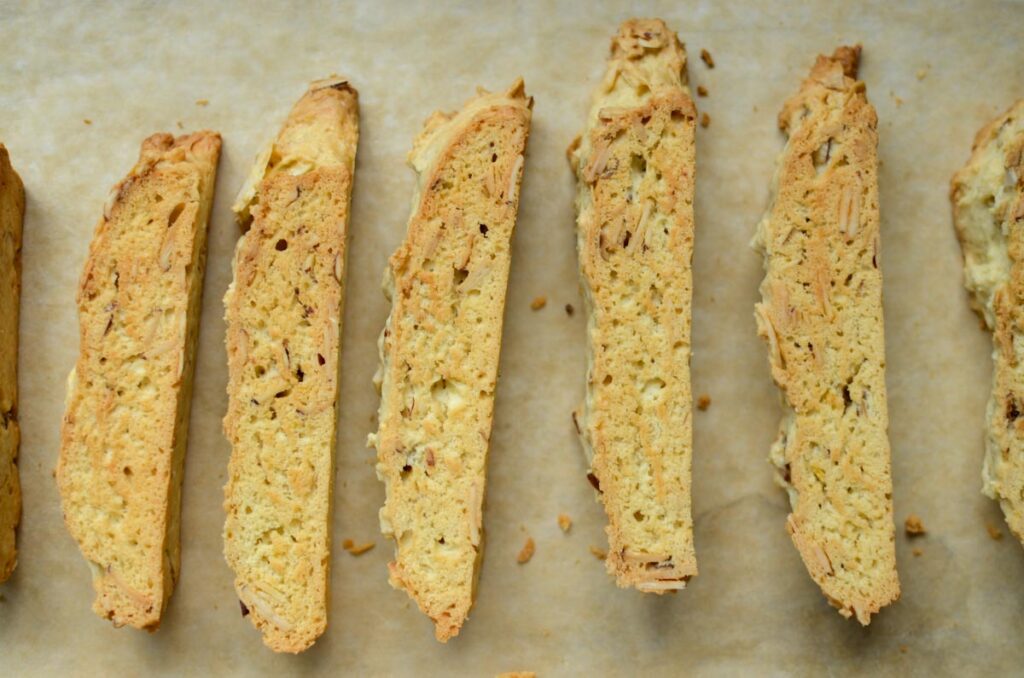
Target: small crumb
598,553
705,56
994,532
913,525
702,91
899,102
705,120
564,522
202,102
922,74
355,550
703,402
538,303
917,552
180,126
87,121
527,551
903,649
569,310
517,674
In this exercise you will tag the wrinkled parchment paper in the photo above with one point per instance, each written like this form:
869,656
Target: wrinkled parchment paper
82,84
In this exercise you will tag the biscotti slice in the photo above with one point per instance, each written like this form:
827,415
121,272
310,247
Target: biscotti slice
283,313
635,166
821,316
126,420
12,212
988,212
439,349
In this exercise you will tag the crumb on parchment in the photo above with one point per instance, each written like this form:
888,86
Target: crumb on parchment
702,91
517,674
538,303
994,532
917,552
564,522
202,102
600,554
569,310
913,525
526,552
703,402
705,56
356,550
705,120
87,121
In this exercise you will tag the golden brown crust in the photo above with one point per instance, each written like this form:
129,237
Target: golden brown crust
821,315
635,167
440,347
12,213
988,212
125,427
283,313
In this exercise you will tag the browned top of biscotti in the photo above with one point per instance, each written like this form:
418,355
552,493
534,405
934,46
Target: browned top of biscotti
440,347
283,313
635,166
124,396
821,315
12,211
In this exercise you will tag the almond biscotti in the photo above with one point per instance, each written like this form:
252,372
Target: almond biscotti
283,313
988,212
439,349
635,166
821,316
126,420
12,212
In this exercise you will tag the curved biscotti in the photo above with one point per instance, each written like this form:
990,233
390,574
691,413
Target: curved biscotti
12,212
283,313
635,165
126,421
439,349
988,212
821,316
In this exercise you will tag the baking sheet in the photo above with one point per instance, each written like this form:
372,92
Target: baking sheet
935,71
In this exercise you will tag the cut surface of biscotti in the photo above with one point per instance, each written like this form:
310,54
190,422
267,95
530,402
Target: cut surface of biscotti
12,213
283,313
988,212
439,349
635,167
821,316
126,419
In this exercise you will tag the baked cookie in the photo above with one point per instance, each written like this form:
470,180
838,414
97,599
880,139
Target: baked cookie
635,165
988,212
821,316
439,349
126,420
283,313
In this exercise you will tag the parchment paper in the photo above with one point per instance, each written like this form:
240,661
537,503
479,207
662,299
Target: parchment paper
935,71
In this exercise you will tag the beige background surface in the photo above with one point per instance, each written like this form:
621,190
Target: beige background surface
136,68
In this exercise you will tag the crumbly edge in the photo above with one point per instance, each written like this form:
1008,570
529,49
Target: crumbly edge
831,105
12,213
316,145
162,156
645,87
987,197
432,150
